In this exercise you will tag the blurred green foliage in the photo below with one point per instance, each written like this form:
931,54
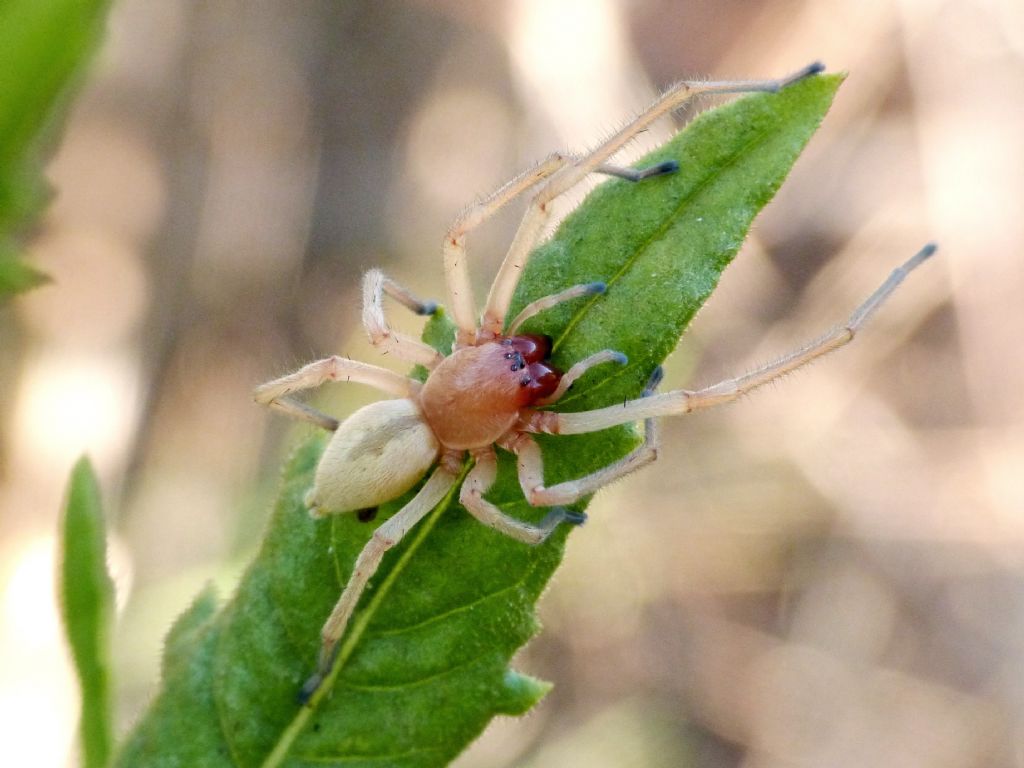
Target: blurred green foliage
44,45
87,606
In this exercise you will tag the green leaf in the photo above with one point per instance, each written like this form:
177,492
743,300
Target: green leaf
424,663
44,45
87,604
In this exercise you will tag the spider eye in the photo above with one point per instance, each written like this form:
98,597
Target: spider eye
533,347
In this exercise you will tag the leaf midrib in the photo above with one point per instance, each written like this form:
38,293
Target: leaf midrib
358,628
355,686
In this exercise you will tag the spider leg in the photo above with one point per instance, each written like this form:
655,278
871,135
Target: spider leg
276,393
456,269
584,365
531,464
684,401
480,479
405,297
638,174
460,291
369,559
532,225
538,306
375,285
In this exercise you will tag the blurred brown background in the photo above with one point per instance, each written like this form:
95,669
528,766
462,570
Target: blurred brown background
825,574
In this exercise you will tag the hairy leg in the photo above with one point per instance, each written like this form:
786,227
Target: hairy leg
383,539
276,393
547,302
531,464
532,225
375,285
684,401
460,292
584,365
480,479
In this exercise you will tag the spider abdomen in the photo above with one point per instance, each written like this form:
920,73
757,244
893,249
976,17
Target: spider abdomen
377,454
474,396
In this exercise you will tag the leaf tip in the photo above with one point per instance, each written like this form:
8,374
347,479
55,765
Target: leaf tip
86,596
183,634
83,471
83,528
521,692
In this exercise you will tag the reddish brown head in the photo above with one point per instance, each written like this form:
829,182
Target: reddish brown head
529,354
474,396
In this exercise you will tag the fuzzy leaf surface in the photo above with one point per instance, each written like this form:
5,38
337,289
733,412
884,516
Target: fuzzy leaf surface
87,607
424,664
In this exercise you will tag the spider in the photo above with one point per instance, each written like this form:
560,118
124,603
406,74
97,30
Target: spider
488,391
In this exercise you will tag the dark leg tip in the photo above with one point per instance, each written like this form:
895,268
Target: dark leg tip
558,515
922,255
658,169
814,68
308,689
573,518
663,168
652,383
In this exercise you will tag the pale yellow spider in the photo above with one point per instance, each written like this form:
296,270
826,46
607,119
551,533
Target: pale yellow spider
486,392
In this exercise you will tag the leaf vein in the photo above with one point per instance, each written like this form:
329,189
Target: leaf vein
411,683
394,631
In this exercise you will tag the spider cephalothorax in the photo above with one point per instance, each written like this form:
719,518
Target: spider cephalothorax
489,390
475,395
